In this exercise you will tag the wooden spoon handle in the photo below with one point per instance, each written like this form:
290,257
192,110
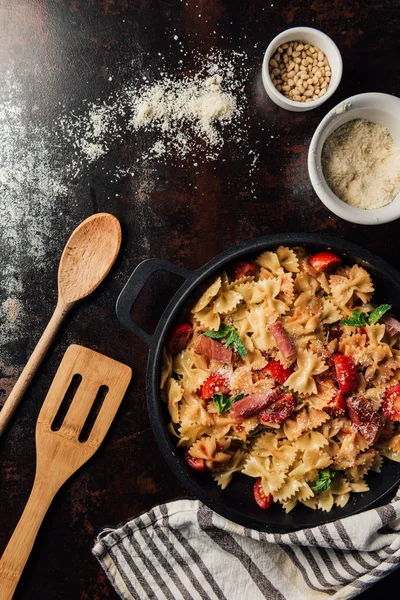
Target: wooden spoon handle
33,364
19,547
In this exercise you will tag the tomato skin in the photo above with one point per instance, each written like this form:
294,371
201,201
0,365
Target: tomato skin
178,338
260,497
214,384
391,403
337,406
346,372
244,269
195,463
280,410
325,261
277,371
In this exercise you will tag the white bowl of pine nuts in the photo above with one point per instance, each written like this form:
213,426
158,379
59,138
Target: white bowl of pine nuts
302,68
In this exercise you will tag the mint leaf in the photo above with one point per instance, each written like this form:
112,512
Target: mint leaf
378,313
233,340
324,480
222,332
231,336
223,403
356,320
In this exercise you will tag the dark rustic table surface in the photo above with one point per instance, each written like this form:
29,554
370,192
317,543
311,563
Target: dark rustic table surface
58,57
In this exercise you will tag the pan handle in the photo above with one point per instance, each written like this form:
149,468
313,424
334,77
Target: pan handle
135,284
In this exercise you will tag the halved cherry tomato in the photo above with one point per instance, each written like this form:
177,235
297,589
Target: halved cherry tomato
195,463
325,261
337,406
260,496
280,410
391,403
346,372
213,385
277,371
244,269
178,338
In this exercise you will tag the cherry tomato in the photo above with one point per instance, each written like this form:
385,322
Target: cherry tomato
346,372
178,338
195,463
391,403
214,384
244,269
260,496
325,261
277,371
337,406
280,410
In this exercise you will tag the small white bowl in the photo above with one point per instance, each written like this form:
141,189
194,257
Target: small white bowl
314,37
375,107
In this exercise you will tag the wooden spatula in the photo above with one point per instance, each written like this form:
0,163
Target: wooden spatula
59,453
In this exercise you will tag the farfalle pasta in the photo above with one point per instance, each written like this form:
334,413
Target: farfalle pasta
286,372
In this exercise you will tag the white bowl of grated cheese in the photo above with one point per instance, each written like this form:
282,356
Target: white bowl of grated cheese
374,107
320,42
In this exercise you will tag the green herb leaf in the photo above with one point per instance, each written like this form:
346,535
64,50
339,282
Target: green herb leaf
324,480
378,313
231,336
222,332
356,320
223,403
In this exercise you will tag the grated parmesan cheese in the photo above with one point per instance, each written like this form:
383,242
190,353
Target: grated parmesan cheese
361,164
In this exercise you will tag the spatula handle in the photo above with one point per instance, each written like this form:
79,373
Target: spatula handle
19,547
32,365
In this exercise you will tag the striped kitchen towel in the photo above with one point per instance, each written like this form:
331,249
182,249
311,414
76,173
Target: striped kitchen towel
184,551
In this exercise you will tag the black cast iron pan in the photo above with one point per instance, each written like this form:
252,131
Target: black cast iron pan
236,502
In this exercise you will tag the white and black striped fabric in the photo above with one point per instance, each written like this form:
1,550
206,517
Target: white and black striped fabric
184,551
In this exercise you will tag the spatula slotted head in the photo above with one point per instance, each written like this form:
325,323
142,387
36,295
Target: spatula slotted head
63,449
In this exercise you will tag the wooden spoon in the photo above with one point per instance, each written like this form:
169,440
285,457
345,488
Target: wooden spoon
62,451
87,259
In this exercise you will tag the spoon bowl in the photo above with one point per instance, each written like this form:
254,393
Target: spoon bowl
88,257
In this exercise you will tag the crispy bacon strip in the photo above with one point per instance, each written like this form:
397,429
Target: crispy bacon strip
282,340
252,404
212,349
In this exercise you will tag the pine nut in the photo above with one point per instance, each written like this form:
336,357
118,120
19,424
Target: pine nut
300,71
